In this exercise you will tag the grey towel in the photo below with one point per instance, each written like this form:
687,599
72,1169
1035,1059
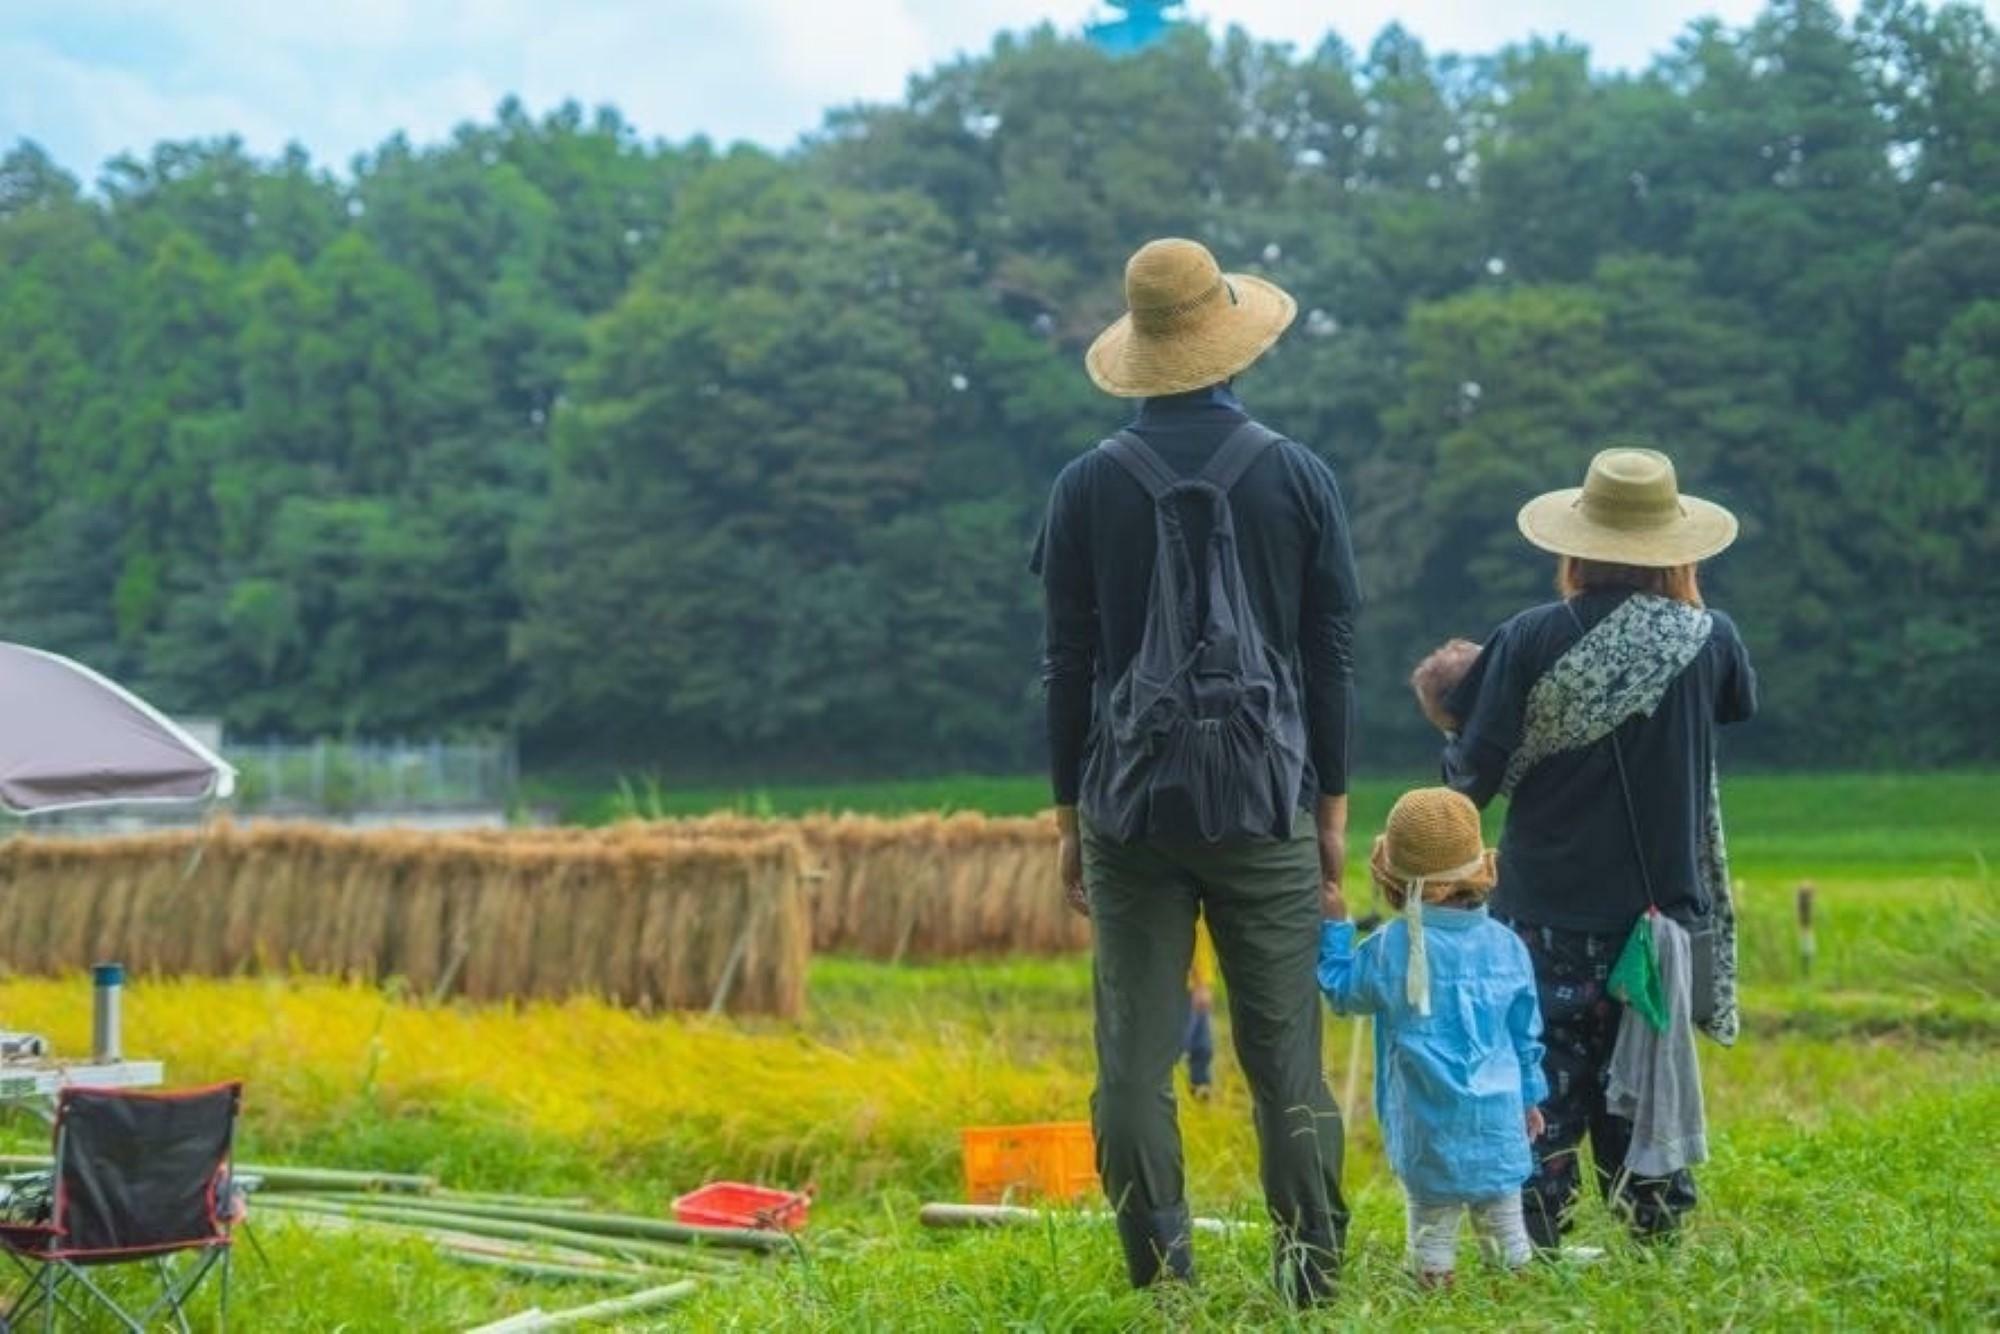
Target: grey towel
1654,1080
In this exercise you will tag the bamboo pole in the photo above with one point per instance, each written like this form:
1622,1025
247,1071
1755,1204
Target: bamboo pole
651,1299
562,1254
626,1248
446,1194
545,1270
609,1225
939,1215
282,1180
538,1251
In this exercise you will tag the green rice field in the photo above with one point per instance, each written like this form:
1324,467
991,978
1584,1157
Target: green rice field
1856,1127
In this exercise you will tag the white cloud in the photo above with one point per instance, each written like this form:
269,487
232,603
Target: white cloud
86,114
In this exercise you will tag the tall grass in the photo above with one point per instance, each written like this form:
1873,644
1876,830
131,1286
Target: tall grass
1821,1210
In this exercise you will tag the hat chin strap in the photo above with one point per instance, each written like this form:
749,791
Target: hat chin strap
1417,984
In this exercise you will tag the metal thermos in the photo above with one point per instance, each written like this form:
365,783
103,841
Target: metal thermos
107,1036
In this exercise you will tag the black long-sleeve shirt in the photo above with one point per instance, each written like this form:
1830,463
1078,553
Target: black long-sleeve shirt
1095,557
1567,857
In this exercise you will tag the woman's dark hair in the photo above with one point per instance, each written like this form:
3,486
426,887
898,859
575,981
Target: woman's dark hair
1576,575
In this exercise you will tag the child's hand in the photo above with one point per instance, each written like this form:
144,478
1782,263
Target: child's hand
1201,999
1438,675
1536,1125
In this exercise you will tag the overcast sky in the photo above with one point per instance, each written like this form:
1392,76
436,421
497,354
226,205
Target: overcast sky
91,78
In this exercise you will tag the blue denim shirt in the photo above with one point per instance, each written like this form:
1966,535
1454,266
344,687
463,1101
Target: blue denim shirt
1452,1089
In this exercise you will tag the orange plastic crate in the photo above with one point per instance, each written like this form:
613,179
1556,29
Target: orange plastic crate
1055,1160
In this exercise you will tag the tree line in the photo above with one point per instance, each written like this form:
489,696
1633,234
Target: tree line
726,461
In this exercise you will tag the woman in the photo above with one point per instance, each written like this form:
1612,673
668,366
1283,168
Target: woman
1596,715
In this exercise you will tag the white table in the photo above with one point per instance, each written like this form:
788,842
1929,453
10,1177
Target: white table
33,1084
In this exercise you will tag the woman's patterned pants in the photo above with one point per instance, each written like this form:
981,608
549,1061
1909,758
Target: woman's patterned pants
1579,1028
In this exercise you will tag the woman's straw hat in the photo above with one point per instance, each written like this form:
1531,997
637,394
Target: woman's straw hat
1187,324
1433,835
1628,511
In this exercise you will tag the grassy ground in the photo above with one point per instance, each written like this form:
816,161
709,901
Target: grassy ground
1856,1125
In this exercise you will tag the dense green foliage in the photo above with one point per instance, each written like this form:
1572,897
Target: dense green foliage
729,461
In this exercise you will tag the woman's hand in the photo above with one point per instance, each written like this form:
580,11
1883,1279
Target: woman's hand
1536,1125
1200,998
1069,860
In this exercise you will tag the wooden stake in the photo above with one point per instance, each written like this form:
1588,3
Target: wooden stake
1350,1095
1808,947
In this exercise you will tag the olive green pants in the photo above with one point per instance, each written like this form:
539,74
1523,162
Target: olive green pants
1262,905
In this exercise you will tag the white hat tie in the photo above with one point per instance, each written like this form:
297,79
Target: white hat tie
1417,985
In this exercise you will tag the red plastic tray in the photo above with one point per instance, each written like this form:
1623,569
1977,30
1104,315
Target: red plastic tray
736,1204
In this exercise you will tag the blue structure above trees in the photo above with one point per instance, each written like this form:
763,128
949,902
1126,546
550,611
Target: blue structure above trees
1144,22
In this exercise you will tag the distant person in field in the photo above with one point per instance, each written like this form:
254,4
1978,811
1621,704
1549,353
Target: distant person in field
1200,594
1597,715
1199,1042
1458,1051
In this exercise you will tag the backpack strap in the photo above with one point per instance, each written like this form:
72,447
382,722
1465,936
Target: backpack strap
1137,457
1245,445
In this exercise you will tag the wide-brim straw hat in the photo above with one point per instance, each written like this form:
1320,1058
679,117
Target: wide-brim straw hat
1629,511
1433,835
1187,324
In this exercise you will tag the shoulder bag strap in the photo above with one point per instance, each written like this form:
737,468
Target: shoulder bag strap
1625,788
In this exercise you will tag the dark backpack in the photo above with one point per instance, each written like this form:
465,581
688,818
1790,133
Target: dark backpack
1203,739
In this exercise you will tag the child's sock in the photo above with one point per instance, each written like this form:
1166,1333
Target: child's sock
1433,1241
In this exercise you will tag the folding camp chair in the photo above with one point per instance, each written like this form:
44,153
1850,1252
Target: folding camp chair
137,1178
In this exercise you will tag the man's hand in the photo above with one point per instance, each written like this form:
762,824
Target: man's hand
1332,902
1069,859
1536,1125
1201,998
1331,818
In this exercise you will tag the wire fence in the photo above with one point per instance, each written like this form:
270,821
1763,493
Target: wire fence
339,777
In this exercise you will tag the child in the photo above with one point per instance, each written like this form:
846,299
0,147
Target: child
1458,1052
1438,675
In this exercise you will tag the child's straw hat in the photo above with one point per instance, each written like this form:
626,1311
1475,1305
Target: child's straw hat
1432,845
1187,324
1431,851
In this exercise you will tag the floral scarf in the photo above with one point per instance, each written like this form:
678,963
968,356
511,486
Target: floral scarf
1622,667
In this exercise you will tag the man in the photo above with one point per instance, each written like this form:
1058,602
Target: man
1199,706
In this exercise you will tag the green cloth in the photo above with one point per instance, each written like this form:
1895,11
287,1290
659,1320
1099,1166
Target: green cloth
1635,978
1261,903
